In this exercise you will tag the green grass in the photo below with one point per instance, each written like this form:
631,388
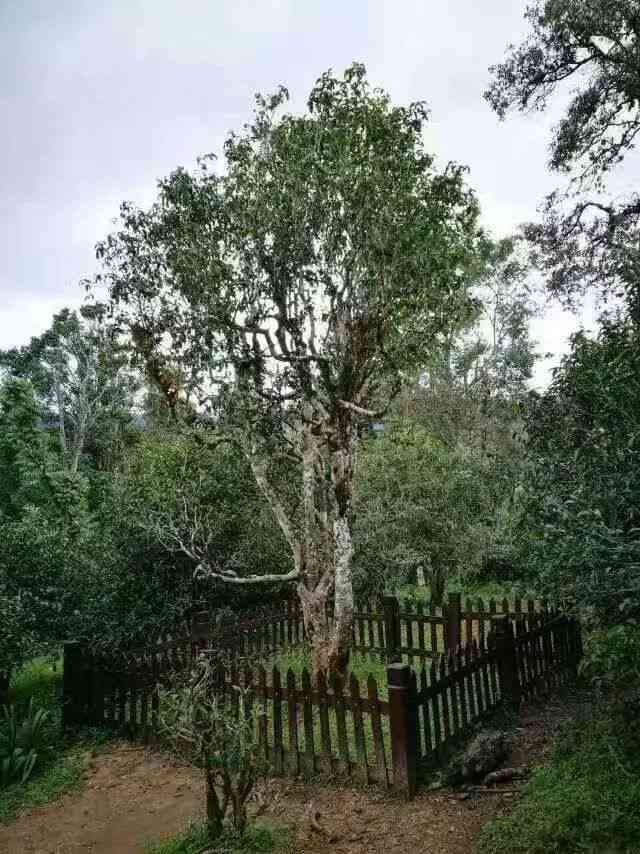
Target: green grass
473,589
260,837
298,658
586,800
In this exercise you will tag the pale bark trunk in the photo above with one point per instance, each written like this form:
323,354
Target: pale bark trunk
343,596
316,623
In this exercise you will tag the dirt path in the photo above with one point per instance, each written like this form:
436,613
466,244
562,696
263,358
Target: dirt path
132,795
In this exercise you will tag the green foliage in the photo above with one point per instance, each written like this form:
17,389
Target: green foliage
22,743
580,502
215,730
177,484
63,774
418,503
586,799
194,839
16,640
83,386
613,655
38,680
23,450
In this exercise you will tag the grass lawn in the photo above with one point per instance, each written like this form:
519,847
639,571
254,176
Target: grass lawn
473,589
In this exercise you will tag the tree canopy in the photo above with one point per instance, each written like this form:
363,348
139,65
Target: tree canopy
290,292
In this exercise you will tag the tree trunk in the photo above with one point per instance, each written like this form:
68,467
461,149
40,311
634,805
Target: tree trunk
315,613
215,816
342,629
239,812
330,635
4,688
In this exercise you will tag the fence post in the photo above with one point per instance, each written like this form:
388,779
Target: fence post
503,643
453,622
403,725
74,684
392,634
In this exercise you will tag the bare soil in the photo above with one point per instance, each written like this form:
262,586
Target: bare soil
132,795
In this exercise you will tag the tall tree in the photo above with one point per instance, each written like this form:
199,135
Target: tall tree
470,394
293,289
585,237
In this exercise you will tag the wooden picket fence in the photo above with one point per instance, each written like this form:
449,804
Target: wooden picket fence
382,630
374,733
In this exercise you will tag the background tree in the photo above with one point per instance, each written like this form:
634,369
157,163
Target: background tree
471,398
586,238
418,504
327,259
82,382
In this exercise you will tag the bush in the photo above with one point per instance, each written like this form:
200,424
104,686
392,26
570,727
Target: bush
613,658
217,732
580,501
587,799
195,840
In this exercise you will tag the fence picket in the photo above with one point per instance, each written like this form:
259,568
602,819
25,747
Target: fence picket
454,683
263,721
341,723
323,713
307,715
278,748
433,628
292,721
462,665
358,729
376,729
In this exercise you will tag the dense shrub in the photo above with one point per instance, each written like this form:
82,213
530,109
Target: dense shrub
580,502
586,799
418,503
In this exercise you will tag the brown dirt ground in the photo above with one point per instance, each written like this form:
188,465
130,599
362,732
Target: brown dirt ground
132,795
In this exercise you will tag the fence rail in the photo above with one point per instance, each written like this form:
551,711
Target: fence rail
373,733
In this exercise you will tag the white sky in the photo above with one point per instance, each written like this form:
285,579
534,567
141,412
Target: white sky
100,100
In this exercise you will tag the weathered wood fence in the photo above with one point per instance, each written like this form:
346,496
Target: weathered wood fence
375,733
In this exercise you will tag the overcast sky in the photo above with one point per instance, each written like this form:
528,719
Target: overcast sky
101,99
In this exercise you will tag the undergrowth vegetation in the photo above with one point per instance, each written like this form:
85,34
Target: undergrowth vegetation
259,837
586,799
31,739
